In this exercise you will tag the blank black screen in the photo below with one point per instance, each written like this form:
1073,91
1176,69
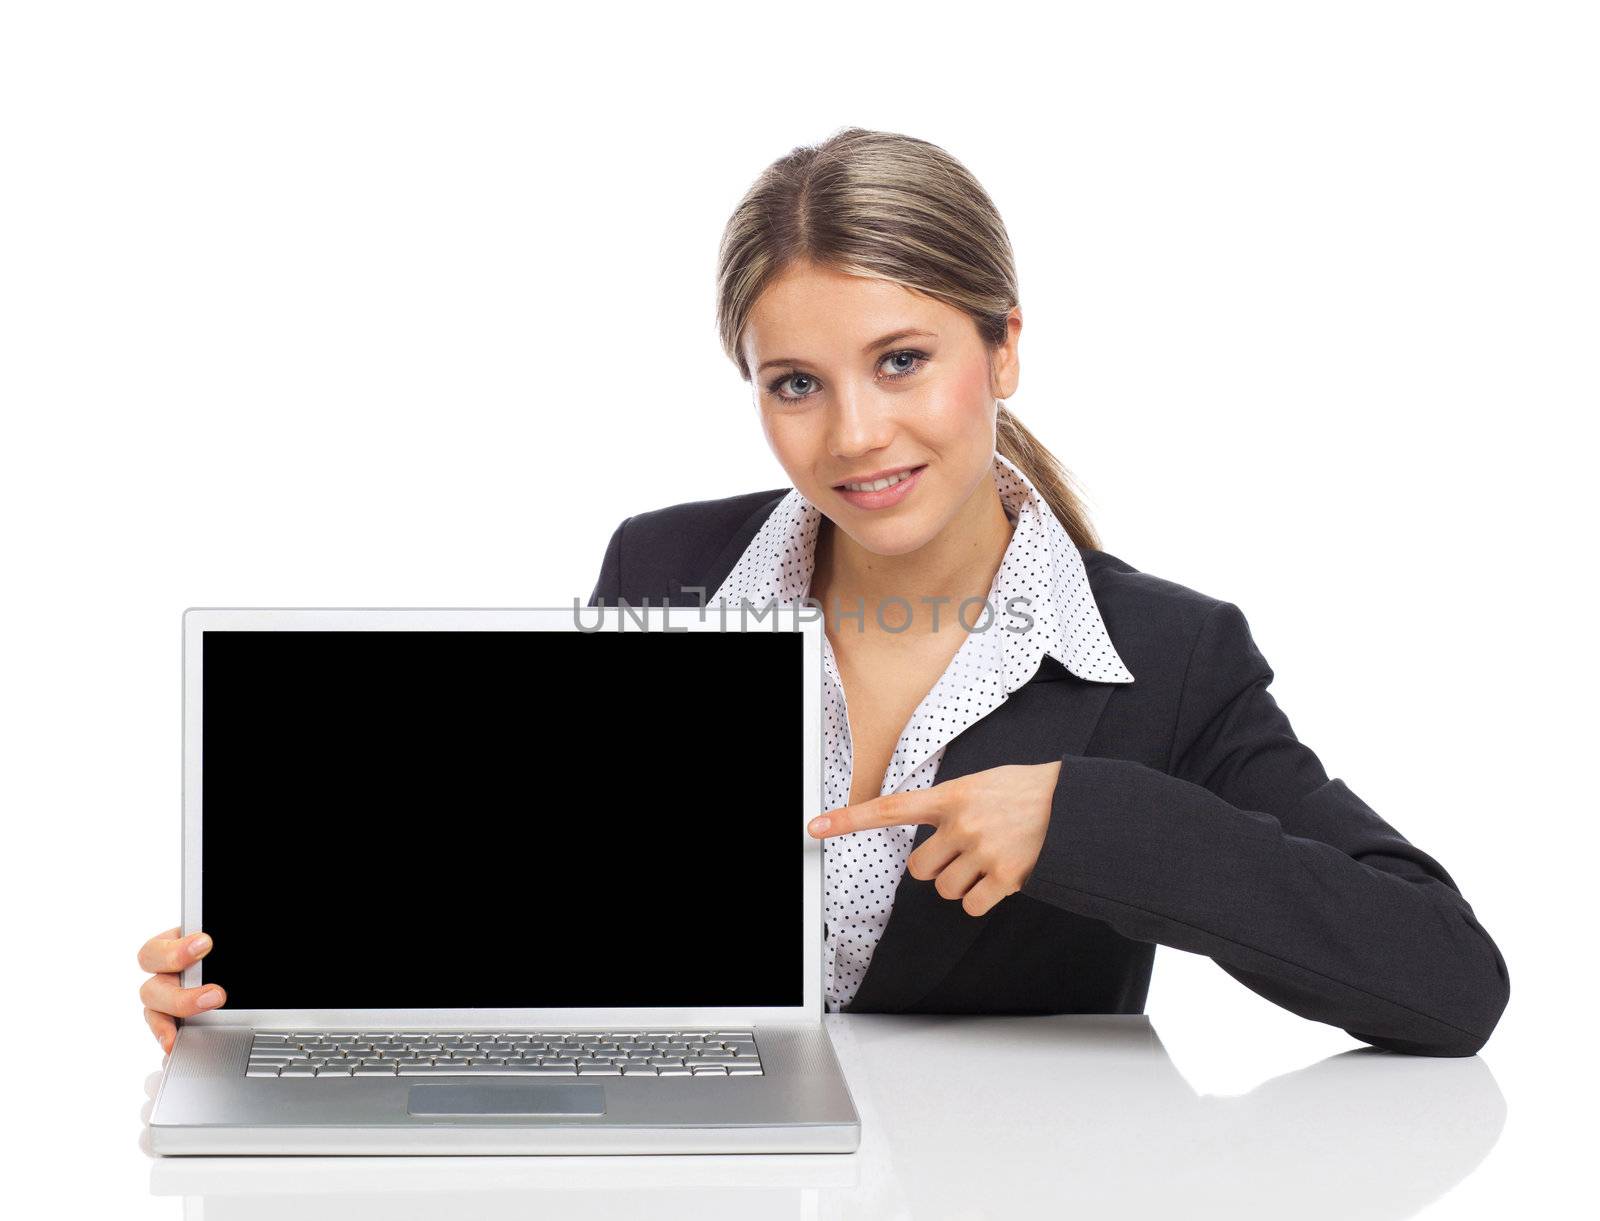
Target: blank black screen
493,819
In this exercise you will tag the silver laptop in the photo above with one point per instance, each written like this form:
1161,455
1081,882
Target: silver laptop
503,882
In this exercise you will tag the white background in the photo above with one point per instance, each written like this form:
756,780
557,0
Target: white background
406,305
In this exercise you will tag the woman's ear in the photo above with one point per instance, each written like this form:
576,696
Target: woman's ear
1005,360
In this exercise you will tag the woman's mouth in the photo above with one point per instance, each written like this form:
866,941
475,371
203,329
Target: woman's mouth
883,489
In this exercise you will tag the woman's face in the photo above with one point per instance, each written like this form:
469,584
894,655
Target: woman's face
857,378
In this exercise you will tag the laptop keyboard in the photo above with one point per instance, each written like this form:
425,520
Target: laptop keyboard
504,1053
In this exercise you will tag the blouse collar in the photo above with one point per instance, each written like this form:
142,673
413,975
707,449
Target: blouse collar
1042,568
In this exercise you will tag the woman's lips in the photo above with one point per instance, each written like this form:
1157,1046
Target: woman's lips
891,495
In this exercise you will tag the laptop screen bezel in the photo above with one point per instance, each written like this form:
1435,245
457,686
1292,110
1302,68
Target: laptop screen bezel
798,617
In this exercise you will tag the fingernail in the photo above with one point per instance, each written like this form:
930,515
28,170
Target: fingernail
820,824
200,944
210,998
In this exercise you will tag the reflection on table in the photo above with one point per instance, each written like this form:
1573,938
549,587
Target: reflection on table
1082,1115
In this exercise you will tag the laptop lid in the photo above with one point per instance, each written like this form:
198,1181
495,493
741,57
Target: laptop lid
522,817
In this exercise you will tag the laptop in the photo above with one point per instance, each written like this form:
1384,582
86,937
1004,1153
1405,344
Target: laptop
504,881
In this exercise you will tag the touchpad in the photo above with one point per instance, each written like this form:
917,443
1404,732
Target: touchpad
507,1098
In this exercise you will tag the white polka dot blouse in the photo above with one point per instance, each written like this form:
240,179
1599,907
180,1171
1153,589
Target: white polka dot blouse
1043,570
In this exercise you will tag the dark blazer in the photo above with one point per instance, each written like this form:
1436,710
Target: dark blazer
1186,814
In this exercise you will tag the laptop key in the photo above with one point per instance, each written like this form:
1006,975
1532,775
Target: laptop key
490,1069
424,1069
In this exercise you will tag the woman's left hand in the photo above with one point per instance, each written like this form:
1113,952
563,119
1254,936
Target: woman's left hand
990,829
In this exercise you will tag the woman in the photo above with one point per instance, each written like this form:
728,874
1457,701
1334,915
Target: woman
1041,762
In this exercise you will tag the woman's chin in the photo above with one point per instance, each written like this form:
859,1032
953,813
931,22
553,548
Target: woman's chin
888,538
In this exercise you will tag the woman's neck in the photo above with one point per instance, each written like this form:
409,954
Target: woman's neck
959,563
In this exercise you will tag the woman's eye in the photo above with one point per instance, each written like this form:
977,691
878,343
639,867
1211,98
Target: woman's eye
792,377
914,360
918,359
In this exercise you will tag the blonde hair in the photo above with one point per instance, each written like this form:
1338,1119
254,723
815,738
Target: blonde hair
895,208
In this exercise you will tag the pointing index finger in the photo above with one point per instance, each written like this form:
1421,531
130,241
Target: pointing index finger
892,809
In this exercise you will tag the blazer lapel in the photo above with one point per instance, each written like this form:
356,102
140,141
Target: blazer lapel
727,557
1051,715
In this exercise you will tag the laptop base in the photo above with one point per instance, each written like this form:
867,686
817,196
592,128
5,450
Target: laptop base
207,1105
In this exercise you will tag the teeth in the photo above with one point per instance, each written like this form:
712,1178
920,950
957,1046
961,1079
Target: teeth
877,485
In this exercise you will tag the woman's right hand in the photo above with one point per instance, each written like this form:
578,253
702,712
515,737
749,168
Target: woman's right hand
164,997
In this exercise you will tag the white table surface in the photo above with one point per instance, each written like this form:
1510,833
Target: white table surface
1084,1116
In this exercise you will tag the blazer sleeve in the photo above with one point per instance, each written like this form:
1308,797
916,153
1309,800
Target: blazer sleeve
1245,851
608,587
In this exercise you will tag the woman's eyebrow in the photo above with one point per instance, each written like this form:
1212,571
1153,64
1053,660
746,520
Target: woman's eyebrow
882,341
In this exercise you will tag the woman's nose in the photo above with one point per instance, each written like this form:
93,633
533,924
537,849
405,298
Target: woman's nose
857,425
